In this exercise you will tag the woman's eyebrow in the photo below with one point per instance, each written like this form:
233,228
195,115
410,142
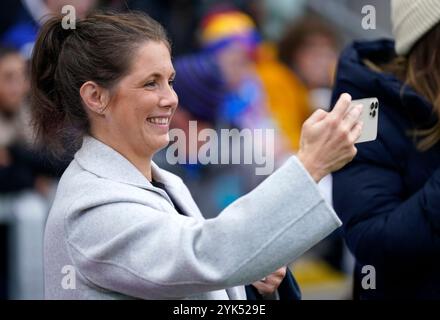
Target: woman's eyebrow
156,75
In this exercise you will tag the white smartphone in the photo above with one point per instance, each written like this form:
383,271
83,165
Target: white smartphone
369,117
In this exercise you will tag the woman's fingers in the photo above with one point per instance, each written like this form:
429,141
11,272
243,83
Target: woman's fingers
264,288
317,116
355,133
281,272
341,106
328,145
270,283
352,116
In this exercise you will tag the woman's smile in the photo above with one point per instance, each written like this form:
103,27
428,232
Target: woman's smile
159,123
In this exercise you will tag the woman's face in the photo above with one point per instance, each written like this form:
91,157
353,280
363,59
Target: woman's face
142,104
13,83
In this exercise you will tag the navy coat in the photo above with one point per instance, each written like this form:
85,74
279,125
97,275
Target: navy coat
389,196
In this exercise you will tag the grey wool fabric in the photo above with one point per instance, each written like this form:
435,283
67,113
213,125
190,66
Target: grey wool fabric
112,235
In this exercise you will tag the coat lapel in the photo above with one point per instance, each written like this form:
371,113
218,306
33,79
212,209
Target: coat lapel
103,161
177,190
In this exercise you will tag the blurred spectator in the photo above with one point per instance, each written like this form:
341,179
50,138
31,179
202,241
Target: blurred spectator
13,89
271,95
229,36
22,34
13,123
21,167
310,47
25,186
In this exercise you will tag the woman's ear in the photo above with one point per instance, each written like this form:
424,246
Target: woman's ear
95,97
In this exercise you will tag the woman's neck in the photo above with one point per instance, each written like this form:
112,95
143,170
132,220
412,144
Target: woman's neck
142,162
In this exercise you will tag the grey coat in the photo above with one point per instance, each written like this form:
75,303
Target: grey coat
112,235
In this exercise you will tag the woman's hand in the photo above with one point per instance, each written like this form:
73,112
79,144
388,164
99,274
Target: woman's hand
327,138
270,284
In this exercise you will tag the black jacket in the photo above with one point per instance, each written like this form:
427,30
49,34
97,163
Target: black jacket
389,196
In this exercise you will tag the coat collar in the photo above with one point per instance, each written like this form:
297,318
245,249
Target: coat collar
355,74
105,162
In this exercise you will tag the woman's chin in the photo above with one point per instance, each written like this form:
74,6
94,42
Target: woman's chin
159,143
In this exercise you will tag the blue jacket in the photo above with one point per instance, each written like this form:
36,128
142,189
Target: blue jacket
389,196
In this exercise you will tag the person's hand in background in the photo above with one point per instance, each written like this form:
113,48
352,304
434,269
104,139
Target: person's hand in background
327,138
270,283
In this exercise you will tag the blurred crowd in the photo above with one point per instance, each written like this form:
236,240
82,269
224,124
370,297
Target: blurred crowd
237,67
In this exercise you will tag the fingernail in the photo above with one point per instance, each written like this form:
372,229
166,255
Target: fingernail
347,96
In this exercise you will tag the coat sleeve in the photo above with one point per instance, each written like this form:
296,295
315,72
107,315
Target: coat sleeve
146,253
381,221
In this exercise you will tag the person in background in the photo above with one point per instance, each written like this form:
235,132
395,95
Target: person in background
25,183
310,48
389,196
14,87
22,166
278,96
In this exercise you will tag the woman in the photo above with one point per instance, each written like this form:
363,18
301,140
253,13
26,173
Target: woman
120,227
389,196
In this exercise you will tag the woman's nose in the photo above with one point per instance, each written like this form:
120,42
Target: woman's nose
169,97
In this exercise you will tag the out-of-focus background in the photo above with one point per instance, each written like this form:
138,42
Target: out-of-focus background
240,64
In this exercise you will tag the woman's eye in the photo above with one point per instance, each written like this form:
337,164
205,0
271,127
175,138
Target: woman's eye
171,83
150,84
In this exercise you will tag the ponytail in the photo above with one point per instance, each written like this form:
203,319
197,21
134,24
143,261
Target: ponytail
49,114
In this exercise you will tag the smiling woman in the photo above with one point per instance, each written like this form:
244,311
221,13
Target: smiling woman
132,230
136,118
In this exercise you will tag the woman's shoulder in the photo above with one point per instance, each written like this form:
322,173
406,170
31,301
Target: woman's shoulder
80,190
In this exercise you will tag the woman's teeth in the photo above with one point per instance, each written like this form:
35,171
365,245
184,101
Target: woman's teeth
158,120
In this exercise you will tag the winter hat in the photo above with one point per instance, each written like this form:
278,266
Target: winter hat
219,29
411,20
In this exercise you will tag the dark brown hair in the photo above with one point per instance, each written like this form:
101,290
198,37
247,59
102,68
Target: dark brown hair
100,49
296,35
421,70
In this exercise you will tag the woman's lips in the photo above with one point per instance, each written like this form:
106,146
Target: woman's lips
159,120
159,123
